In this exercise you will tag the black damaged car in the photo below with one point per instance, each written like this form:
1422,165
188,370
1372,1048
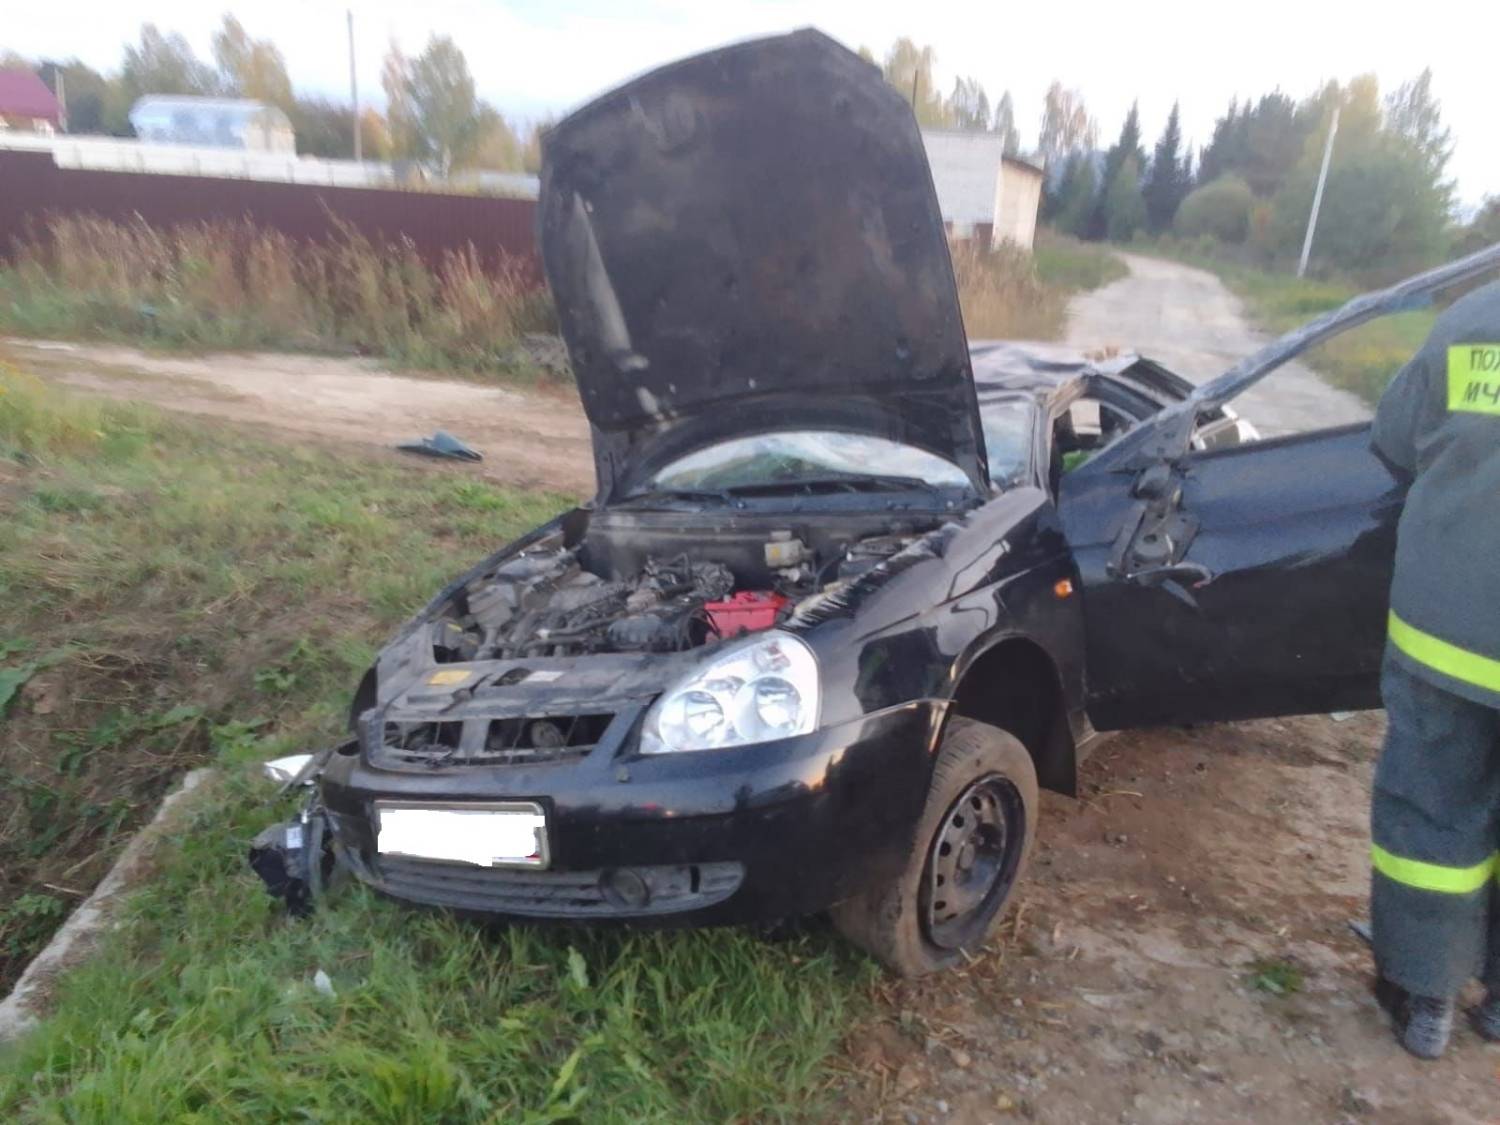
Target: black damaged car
847,593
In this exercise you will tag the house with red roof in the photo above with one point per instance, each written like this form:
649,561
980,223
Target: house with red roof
26,105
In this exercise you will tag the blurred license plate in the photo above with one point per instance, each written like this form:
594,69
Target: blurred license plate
513,834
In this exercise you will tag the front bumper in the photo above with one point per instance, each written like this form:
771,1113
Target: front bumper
722,836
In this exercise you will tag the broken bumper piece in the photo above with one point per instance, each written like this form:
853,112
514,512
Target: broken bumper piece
293,860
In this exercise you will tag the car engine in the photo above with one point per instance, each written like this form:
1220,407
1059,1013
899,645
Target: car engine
546,601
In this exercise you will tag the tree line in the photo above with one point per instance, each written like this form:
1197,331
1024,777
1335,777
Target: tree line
967,106
1388,205
434,115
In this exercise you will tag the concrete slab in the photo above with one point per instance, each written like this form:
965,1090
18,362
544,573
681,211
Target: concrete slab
20,1011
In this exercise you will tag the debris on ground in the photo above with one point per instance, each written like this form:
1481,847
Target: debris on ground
441,444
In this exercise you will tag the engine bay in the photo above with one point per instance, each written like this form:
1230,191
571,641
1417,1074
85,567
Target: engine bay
627,583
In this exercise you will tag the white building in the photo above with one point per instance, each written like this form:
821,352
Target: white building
235,123
984,194
120,154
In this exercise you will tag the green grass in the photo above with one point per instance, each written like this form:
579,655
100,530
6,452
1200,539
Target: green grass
1279,978
1010,294
160,580
186,594
1074,265
204,1009
1362,360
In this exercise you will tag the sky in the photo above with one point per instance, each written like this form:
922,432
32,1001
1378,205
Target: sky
534,58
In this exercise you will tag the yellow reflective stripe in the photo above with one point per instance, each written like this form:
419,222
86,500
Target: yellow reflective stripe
1474,378
1432,876
1448,659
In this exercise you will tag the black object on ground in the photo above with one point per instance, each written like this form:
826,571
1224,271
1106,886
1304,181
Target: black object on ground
441,444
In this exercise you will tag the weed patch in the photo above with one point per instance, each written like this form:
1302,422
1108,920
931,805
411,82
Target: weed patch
1003,298
1279,978
168,592
1010,294
236,286
1074,265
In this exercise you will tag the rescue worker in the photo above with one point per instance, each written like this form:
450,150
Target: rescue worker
1435,817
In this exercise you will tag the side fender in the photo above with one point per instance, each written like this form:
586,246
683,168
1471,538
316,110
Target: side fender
1010,681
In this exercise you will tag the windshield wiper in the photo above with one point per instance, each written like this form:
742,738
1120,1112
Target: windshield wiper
851,483
692,495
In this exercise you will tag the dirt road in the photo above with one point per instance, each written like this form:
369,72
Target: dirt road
1199,870
1188,320
534,437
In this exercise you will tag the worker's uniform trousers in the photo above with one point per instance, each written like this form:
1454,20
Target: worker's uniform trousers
1435,827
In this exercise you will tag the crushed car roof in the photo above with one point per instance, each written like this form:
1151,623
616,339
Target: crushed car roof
1022,367
1016,365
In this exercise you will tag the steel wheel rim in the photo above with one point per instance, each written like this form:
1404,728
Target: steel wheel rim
972,861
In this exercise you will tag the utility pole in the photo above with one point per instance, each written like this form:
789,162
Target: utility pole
62,99
1312,219
354,89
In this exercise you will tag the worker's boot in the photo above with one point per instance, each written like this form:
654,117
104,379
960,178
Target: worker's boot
1486,1017
1423,1024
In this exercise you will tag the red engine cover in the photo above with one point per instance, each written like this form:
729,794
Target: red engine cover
748,611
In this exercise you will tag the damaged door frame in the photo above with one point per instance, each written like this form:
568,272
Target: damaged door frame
1157,532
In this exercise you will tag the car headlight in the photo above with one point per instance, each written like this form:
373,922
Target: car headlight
762,689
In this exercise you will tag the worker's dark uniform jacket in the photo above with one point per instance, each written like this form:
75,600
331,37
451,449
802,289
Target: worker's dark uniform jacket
1436,810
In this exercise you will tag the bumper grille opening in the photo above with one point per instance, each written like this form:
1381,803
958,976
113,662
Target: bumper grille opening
420,737
555,894
521,740
554,735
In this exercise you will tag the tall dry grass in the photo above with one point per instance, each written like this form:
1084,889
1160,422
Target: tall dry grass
1003,297
236,285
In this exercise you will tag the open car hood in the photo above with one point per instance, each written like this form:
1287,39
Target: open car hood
749,240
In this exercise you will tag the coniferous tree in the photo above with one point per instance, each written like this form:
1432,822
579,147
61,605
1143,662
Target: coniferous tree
1127,147
1169,180
1124,207
1075,195
1218,156
1005,124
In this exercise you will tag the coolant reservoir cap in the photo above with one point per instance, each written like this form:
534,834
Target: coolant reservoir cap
784,551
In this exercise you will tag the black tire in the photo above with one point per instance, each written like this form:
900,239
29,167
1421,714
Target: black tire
903,924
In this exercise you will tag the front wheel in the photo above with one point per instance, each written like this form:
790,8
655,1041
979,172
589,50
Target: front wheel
971,850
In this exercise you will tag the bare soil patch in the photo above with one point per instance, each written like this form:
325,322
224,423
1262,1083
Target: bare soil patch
530,437
1125,986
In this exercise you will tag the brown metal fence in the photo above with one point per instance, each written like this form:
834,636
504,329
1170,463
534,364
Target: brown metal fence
32,188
